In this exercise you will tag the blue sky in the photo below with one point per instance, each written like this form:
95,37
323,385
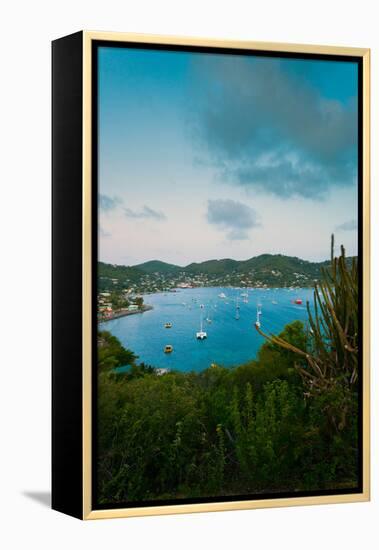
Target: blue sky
212,156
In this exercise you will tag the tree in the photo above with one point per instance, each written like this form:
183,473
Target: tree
139,301
111,354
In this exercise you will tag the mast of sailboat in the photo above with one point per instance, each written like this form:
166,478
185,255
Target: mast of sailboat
259,313
201,334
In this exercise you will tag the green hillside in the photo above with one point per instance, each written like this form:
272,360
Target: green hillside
122,275
156,266
274,270
213,267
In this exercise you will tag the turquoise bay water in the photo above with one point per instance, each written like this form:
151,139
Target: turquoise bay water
229,342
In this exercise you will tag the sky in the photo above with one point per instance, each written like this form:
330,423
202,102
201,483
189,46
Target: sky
209,156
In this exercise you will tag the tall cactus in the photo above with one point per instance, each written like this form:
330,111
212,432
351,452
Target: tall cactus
330,361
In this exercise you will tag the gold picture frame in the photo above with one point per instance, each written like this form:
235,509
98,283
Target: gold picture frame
83,466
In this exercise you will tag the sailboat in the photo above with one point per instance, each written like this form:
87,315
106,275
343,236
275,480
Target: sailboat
201,335
245,297
259,313
237,310
209,319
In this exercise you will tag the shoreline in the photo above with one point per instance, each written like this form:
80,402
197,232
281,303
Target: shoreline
242,288
125,313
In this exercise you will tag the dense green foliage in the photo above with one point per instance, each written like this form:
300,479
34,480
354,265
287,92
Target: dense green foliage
125,276
111,354
222,431
329,363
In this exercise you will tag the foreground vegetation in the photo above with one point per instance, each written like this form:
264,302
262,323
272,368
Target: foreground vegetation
285,422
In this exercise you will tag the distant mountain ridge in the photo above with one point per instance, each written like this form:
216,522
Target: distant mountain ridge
228,265
156,266
266,269
215,267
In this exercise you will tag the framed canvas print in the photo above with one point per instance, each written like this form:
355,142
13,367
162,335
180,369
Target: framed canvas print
210,275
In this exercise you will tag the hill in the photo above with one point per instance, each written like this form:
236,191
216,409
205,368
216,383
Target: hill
274,270
213,267
156,266
119,275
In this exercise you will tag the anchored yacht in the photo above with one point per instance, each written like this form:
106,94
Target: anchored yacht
259,313
201,335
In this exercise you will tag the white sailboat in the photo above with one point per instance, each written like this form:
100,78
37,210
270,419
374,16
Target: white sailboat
259,313
201,335
209,318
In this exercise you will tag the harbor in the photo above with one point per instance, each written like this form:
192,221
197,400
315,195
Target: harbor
125,312
206,326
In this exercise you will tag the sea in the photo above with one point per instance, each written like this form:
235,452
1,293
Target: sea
230,341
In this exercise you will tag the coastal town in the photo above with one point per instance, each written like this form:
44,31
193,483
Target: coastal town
121,288
111,305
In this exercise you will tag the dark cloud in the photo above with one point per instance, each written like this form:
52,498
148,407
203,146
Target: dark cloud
351,225
267,129
107,203
146,212
234,217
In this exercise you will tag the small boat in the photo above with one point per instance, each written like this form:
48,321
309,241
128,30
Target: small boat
258,322
167,325
222,295
298,301
237,316
168,349
201,335
274,302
